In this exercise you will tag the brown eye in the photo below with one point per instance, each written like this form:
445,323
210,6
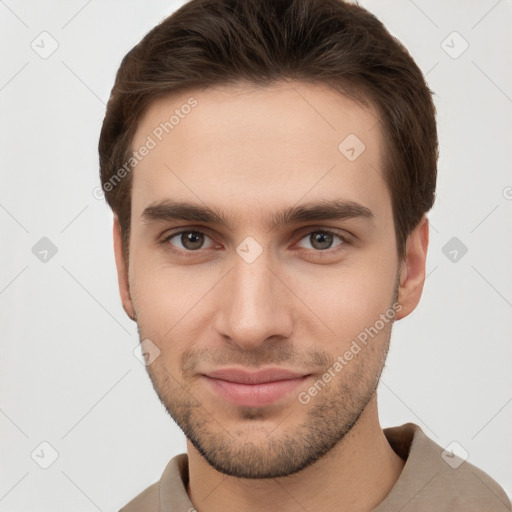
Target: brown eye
192,240
322,240
188,240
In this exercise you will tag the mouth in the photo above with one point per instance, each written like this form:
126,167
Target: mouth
254,389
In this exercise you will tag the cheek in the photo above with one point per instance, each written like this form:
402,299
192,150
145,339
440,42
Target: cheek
154,295
342,303
170,301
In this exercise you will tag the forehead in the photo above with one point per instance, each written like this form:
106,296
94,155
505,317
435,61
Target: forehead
257,147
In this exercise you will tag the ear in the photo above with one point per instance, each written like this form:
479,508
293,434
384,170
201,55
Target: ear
122,270
412,269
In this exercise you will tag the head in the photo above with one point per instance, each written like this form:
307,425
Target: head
269,164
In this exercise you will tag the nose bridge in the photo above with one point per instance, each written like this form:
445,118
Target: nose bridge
253,284
257,305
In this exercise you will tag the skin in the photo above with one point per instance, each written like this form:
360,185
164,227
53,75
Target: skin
248,152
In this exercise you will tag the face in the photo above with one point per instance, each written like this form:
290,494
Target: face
263,269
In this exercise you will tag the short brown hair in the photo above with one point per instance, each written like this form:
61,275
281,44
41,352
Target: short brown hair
221,42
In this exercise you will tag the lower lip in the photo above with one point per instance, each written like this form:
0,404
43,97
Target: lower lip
254,395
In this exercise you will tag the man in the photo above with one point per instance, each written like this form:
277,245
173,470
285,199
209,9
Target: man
270,164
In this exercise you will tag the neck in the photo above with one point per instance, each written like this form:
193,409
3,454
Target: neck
356,475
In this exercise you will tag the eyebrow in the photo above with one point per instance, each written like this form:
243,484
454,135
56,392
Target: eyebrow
337,209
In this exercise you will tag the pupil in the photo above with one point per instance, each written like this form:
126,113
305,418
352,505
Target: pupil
192,240
324,239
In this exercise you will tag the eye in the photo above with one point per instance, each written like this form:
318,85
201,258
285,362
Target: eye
193,241
188,241
322,240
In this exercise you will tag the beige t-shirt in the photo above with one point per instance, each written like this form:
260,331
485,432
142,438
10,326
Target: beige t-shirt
428,482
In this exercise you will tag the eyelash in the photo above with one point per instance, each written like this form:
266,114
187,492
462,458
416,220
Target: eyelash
190,253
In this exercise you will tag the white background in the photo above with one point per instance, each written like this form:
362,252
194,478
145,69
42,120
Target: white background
68,375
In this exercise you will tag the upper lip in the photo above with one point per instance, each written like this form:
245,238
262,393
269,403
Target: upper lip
258,377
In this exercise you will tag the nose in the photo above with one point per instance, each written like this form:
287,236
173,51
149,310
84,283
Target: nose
255,304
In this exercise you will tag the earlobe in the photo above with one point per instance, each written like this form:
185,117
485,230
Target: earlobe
122,270
412,271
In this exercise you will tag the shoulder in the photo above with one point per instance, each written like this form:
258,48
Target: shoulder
435,478
470,487
168,494
147,501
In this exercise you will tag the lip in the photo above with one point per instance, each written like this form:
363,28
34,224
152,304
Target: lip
254,389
